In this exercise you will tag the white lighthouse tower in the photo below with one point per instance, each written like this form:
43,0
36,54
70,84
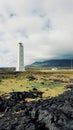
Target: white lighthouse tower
20,62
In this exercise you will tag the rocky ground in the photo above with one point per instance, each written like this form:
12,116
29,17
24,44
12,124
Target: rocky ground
49,114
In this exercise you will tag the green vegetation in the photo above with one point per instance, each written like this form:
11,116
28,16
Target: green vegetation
51,83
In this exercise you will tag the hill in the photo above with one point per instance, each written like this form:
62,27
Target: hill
59,63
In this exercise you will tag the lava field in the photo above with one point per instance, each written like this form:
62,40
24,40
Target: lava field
49,114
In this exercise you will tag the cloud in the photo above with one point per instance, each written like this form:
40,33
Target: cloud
44,26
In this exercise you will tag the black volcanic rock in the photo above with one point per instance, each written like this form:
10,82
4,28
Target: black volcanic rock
49,114
31,78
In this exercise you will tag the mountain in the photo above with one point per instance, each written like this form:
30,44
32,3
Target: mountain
59,63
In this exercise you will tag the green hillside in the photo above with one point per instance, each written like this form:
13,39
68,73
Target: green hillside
59,63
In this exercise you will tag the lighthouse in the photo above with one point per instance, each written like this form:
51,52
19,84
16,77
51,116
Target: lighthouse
20,58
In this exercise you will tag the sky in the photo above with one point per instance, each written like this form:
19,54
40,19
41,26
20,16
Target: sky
45,27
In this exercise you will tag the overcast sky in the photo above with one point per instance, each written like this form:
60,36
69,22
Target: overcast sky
45,27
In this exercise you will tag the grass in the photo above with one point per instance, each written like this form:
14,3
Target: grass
45,81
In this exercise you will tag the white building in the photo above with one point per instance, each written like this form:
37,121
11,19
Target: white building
20,58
